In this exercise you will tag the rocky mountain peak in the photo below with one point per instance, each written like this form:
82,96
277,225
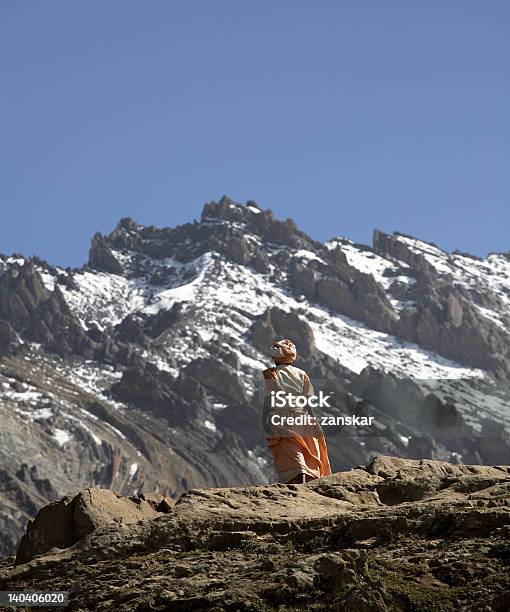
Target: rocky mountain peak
227,209
262,223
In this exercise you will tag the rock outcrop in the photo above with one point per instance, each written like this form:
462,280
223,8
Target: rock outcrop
446,317
396,535
22,291
9,340
101,256
277,323
65,522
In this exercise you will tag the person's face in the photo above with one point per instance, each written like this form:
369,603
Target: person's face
279,348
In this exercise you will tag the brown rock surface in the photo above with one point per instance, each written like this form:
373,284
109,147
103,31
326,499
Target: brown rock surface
62,523
397,535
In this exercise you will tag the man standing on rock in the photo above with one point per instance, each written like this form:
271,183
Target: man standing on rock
298,445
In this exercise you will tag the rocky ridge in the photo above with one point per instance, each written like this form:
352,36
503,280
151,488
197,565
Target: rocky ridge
395,535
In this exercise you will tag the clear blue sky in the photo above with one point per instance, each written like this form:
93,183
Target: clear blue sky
344,115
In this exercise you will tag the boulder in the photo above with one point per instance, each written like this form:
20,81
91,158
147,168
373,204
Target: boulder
160,503
51,528
65,522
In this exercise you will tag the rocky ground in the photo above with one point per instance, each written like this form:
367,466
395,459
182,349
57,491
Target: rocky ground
403,535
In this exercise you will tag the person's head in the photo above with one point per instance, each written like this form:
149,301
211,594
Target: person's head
283,351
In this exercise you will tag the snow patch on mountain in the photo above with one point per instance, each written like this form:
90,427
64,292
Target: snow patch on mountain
227,296
182,293
384,271
104,298
62,437
485,278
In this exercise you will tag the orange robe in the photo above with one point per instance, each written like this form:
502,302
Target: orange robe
299,455
293,452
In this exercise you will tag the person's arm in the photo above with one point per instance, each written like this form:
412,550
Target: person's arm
270,385
269,374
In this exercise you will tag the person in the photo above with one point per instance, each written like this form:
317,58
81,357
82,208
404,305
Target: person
300,452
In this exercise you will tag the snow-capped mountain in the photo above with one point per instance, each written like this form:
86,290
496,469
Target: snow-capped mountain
142,369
